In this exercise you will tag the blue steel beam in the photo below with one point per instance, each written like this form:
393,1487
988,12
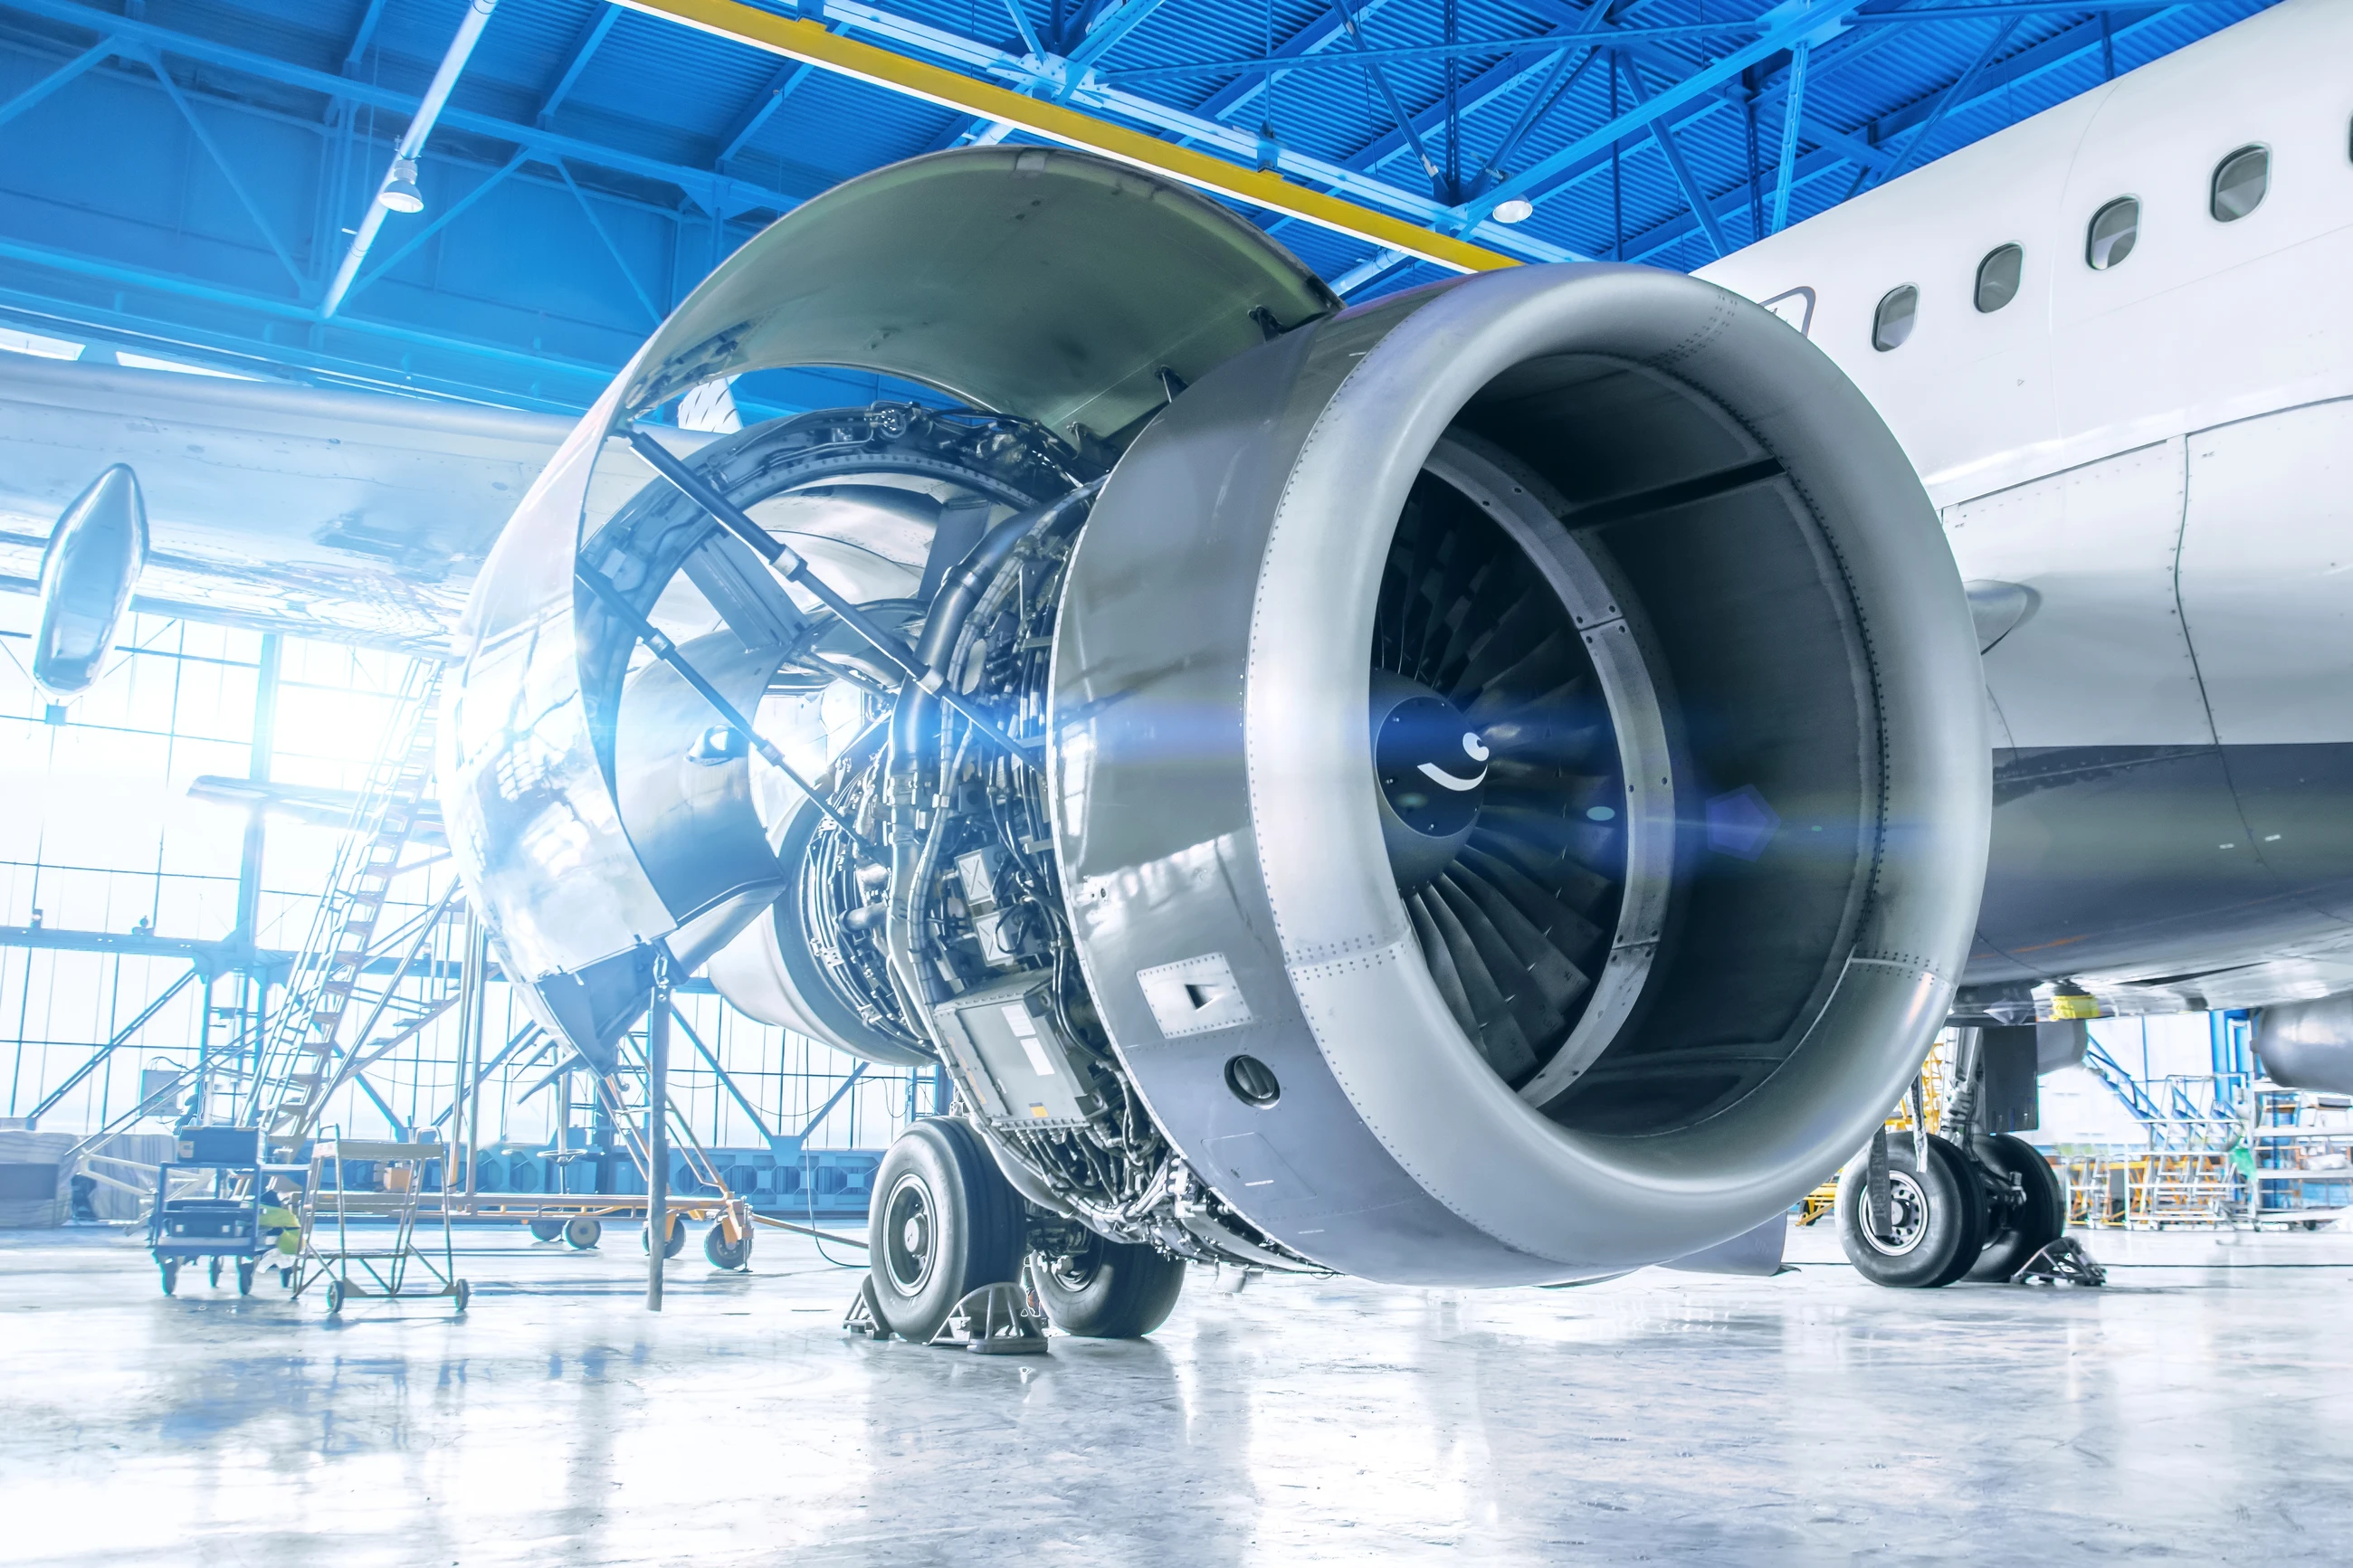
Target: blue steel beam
1646,32
362,36
220,161
2038,60
97,54
1694,194
654,313
1956,93
743,194
444,214
756,113
1801,20
584,49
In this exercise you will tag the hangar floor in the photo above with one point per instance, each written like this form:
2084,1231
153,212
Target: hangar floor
2197,1410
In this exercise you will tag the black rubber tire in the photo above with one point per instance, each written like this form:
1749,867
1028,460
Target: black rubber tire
676,1243
461,1293
584,1233
1113,1290
721,1253
245,1278
547,1230
334,1298
945,1222
170,1277
1938,1246
2018,1236
212,1272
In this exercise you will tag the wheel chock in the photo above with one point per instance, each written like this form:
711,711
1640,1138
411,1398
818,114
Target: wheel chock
862,1320
2063,1262
996,1320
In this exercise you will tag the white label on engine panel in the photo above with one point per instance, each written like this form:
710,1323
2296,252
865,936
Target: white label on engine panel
1194,996
1016,1018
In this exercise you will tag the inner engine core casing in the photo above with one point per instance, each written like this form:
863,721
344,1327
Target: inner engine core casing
1802,638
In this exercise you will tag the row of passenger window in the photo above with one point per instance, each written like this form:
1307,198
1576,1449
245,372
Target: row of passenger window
2238,189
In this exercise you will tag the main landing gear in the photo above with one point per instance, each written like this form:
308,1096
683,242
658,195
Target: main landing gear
1982,1205
1977,1204
946,1227
1983,1214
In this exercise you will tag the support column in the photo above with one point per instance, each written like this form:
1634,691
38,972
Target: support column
657,1022
249,868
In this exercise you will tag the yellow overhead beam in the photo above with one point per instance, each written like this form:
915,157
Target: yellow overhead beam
802,39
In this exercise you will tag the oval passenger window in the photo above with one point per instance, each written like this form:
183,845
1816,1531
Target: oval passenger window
2114,229
1892,322
1997,276
2240,182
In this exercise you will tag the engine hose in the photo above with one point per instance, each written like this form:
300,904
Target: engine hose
952,604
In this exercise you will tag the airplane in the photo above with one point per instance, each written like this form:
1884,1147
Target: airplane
1017,729
2111,341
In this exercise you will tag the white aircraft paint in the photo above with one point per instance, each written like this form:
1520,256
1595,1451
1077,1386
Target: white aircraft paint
2160,451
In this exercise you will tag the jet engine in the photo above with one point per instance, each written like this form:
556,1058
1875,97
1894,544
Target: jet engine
1483,787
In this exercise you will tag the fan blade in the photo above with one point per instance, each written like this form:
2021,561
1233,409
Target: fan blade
1579,886
1530,620
1487,584
1441,963
1537,1017
1557,981
1461,568
1560,925
1593,845
1499,1037
1546,665
1503,585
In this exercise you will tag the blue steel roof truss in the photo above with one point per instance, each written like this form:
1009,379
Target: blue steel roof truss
182,177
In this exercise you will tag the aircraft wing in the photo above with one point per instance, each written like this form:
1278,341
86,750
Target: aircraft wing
349,515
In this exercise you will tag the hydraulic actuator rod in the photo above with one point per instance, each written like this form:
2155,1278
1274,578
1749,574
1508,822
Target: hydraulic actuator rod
667,651
789,563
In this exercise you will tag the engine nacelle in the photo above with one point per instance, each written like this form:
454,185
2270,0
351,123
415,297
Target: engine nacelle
1498,791
1710,900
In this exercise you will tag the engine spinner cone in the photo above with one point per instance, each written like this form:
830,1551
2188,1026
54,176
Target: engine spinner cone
1431,764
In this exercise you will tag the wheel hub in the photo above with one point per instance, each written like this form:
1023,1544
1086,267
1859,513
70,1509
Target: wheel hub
1907,1216
907,1231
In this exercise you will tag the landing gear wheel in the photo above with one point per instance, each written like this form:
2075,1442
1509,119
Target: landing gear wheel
170,1277
1937,1217
546,1229
581,1234
944,1223
212,1272
245,1278
334,1298
2018,1232
723,1253
675,1244
1110,1291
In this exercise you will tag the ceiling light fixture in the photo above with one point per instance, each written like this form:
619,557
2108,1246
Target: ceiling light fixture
400,194
1519,209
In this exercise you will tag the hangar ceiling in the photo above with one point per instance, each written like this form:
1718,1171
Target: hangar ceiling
182,177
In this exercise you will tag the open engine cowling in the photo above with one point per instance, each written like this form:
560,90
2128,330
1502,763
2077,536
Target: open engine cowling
1497,786
1722,868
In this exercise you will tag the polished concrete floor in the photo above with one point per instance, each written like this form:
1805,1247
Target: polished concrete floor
2199,1410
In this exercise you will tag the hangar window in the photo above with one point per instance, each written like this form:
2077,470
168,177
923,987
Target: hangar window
1997,276
2240,182
1892,322
2114,229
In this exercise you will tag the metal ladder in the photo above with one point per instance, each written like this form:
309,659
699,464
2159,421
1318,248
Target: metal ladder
296,1070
